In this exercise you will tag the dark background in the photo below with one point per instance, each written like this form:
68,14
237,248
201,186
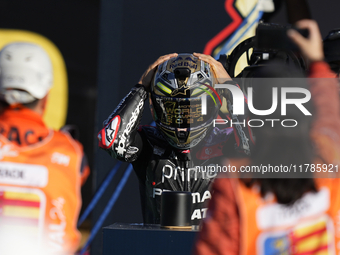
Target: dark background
107,45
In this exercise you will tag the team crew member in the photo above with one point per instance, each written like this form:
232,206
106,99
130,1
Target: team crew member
285,216
41,170
166,157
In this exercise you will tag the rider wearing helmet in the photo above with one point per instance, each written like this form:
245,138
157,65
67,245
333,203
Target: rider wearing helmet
171,156
176,98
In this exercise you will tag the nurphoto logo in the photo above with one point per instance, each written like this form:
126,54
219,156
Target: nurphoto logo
239,105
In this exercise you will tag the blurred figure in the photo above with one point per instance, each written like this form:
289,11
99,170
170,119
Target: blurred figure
284,216
41,170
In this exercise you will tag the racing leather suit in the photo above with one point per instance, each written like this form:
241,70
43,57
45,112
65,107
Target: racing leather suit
158,165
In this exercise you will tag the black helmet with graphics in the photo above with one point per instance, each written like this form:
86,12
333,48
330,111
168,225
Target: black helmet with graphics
183,100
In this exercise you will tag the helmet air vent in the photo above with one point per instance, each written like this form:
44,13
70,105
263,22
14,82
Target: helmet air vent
165,77
182,75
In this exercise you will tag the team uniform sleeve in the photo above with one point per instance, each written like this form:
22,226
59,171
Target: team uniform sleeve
325,131
119,136
220,233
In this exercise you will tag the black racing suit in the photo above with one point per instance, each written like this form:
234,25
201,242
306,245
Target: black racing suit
158,165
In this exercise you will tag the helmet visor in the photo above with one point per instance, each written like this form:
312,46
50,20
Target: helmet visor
192,113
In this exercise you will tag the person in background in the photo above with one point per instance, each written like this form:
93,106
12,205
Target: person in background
41,170
284,216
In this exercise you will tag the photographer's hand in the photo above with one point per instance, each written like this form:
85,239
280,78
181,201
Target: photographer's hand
218,69
310,47
146,78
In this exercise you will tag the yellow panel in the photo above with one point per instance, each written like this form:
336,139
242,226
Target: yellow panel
22,196
245,6
56,110
310,228
312,243
21,211
242,62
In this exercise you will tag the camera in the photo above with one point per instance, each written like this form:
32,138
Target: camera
273,37
269,43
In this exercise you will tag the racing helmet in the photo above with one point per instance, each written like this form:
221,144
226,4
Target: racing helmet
183,100
26,72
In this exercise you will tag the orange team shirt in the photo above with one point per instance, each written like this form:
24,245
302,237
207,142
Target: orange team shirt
40,182
240,221
25,127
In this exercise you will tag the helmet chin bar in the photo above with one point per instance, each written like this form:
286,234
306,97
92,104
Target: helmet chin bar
182,134
184,145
